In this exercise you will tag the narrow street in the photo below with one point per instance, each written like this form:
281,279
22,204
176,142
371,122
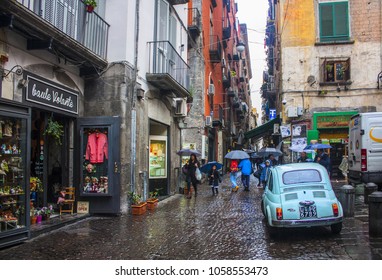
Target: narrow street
226,226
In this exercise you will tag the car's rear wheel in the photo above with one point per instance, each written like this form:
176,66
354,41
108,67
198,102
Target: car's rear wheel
262,207
336,228
272,231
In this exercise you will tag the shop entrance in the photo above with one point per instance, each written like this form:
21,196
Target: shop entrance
49,157
159,158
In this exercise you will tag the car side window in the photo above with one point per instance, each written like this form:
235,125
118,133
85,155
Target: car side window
270,182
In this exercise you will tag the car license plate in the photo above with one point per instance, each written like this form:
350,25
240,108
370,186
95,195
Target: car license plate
308,211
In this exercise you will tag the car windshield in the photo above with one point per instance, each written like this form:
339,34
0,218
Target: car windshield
301,176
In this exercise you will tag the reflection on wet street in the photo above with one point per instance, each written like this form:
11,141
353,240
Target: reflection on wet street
224,226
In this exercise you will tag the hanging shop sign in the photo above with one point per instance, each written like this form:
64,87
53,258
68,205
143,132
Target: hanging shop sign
47,93
333,121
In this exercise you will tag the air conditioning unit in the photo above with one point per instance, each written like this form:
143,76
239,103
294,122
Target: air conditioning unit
211,89
208,121
292,112
300,111
180,107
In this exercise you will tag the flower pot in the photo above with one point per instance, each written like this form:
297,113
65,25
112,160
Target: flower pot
33,220
152,203
46,217
39,219
89,8
138,209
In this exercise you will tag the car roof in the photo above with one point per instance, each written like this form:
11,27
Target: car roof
303,165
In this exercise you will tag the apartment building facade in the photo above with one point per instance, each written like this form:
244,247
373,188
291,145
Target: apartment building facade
325,66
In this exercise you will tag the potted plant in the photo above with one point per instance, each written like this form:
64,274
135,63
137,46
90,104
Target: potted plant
138,207
33,215
46,212
152,201
55,129
90,5
38,214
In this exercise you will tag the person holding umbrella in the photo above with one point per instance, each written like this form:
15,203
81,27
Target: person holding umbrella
191,166
246,167
233,169
323,159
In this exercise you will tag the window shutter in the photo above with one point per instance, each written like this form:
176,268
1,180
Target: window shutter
341,19
326,20
163,20
49,11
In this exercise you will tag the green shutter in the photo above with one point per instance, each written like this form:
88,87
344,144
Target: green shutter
326,20
341,16
334,21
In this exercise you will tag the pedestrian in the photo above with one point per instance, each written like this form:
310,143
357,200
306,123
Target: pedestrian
264,172
233,173
246,168
303,157
191,166
272,160
323,159
257,174
214,179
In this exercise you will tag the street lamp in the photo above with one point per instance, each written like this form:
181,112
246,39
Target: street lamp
240,47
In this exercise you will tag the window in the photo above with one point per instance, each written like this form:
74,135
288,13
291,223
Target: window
334,21
336,71
301,176
269,182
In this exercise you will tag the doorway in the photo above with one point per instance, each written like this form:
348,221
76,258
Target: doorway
49,157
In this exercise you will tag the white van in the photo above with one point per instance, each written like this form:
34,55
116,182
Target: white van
365,148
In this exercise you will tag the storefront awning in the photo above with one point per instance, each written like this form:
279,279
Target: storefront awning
262,130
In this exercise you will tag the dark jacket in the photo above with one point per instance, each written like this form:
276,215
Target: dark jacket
324,160
215,179
191,168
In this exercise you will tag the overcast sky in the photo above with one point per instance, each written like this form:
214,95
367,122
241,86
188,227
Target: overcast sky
254,14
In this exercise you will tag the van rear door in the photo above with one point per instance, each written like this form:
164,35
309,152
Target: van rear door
374,143
355,141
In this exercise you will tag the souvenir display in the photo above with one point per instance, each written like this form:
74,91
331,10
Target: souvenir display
12,193
95,165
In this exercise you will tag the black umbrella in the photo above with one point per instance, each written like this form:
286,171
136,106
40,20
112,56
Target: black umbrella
188,152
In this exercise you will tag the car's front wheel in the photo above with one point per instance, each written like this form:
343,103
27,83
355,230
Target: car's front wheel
336,228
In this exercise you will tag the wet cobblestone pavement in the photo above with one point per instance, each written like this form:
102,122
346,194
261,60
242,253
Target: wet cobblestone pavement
226,226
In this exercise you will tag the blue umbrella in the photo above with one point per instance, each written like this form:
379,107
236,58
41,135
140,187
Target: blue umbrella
208,166
317,146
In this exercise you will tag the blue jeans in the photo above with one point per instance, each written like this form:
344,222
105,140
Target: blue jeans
232,177
245,180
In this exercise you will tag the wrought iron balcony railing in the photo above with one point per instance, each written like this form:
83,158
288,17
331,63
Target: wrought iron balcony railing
164,59
70,17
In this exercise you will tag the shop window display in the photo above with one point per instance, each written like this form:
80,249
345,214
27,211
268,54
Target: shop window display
12,185
95,162
158,157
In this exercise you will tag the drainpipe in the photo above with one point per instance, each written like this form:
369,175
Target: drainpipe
133,152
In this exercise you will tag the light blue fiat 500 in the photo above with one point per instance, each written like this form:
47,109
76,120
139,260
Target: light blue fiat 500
300,195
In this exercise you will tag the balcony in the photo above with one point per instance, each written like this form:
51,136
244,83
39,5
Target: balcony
194,26
215,49
226,33
59,27
218,116
227,79
167,69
